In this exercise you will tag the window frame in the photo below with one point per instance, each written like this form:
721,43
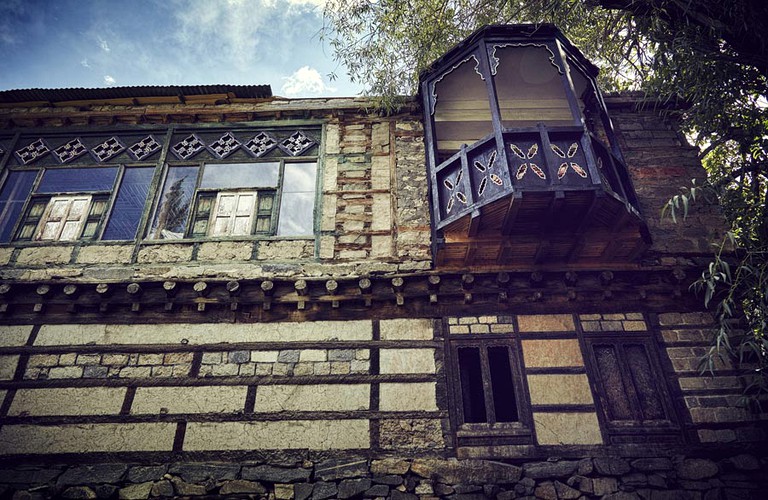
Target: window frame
277,197
519,432
34,196
632,430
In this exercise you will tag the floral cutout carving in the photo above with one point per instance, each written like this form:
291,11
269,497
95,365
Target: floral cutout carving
455,194
487,174
563,169
523,169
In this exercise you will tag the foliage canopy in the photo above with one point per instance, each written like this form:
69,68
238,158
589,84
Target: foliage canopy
711,54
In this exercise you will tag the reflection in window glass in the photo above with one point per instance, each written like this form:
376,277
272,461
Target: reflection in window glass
12,198
240,175
73,180
297,205
129,204
175,202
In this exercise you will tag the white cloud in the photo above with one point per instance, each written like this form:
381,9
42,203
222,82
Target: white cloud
84,63
305,81
109,80
104,45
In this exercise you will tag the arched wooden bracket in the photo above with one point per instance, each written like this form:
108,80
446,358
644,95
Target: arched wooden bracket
433,283
365,289
104,291
268,287
467,283
234,288
42,291
537,278
202,290
134,289
502,280
5,290
302,290
398,285
332,286
72,292
170,287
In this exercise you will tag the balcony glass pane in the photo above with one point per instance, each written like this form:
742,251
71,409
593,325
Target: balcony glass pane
462,110
529,87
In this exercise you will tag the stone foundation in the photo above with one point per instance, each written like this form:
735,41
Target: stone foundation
741,476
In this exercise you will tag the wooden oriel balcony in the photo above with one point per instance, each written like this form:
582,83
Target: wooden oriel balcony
546,195
524,167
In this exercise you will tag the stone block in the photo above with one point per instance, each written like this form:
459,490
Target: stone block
68,401
66,372
567,428
390,466
552,353
272,474
92,474
350,488
471,472
406,361
407,396
213,399
264,356
198,472
277,435
240,486
611,466
5,256
86,438
144,473
406,329
545,323
559,389
135,491
8,366
697,468
334,469
105,254
312,355
316,397
381,246
44,256
281,250
413,433
549,470
88,359
175,252
43,360
14,335
225,251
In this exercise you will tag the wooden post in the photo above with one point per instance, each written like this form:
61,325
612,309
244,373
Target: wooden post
170,287
234,288
135,290
467,283
71,291
42,291
398,284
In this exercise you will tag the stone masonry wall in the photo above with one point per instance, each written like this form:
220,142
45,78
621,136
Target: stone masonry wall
677,477
660,162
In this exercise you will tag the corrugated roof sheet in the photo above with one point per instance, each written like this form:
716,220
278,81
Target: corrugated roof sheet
82,94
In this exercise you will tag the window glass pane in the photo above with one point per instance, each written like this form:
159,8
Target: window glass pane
240,175
650,403
73,180
501,380
611,378
299,177
471,381
129,204
12,197
174,203
296,214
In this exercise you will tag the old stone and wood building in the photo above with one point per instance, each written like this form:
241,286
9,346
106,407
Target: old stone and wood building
214,291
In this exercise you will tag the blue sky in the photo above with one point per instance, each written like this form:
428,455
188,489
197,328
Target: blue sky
102,43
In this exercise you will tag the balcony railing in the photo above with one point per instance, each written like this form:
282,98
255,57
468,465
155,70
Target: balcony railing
553,186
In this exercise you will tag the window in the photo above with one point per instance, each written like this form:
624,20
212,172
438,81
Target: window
489,401
66,204
630,385
235,199
159,183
